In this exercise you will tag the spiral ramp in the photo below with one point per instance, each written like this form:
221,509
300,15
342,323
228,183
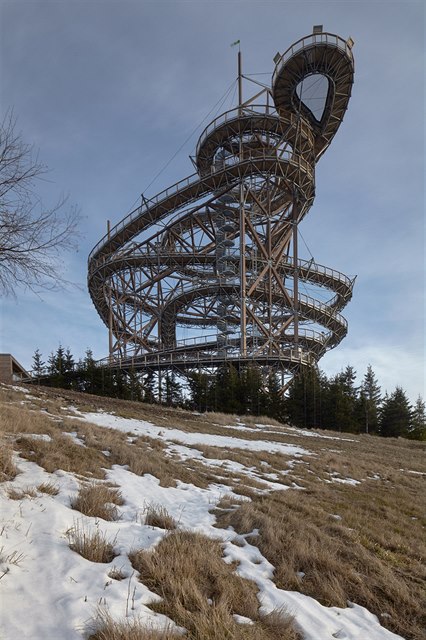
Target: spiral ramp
207,272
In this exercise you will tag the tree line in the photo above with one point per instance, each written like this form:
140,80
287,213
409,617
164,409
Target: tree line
313,399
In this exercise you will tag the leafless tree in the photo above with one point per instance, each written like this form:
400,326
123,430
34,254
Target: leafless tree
32,237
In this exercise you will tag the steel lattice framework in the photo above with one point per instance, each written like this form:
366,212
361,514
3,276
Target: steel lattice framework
216,254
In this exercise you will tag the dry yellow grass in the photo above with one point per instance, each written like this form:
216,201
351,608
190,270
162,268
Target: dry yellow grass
20,494
201,592
49,488
98,501
373,555
144,456
8,469
92,545
62,453
156,515
21,420
266,420
53,400
354,558
104,627
116,574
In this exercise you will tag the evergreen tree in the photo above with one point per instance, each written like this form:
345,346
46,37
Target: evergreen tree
305,401
395,415
347,379
90,376
417,429
275,405
200,390
60,360
89,362
342,402
252,397
134,390
173,390
370,398
69,363
51,364
148,388
38,364
225,390
56,367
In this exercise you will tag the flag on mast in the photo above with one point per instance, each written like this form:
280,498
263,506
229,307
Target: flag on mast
234,44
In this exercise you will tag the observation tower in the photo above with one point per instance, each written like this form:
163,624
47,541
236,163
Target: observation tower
207,272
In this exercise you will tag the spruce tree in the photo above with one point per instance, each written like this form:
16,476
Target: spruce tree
56,367
305,401
395,415
91,376
134,389
252,397
200,390
347,379
417,429
173,390
343,401
60,360
275,405
148,388
38,364
51,364
69,363
370,401
225,390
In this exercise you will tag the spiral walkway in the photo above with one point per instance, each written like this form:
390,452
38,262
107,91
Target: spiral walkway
208,271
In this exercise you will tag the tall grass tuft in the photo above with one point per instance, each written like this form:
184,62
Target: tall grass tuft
156,515
92,545
104,627
98,501
8,469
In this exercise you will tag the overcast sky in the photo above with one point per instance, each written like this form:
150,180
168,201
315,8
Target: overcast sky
109,90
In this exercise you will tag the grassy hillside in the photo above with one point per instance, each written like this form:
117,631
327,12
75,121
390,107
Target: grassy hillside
126,521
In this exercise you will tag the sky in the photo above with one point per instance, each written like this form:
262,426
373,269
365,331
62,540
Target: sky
109,91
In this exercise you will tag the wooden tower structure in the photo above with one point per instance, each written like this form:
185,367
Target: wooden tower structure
208,271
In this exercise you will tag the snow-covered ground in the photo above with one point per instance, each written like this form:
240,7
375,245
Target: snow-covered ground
48,591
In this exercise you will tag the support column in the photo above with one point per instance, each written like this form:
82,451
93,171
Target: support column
295,276
243,346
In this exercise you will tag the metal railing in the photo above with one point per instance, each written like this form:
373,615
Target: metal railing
239,113
163,196
309,41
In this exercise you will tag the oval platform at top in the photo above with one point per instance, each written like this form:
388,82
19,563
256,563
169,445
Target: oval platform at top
322,54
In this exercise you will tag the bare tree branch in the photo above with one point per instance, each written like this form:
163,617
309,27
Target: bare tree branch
32,238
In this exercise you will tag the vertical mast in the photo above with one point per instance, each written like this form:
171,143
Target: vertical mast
110,305
240,80
243,346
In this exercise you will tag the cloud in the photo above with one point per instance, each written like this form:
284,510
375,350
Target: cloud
393,365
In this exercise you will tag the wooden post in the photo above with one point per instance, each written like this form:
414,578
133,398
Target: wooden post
295,277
